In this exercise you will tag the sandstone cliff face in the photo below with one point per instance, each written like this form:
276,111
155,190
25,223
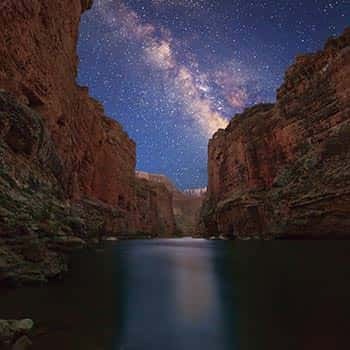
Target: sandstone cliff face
39,224
284,169
32,205
154,208
181,209
38,64
187,207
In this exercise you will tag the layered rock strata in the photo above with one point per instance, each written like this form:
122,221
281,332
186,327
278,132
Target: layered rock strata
32,203
154,208
38,64
283,169
187,206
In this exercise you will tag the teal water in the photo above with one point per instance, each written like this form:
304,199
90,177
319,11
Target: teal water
194,294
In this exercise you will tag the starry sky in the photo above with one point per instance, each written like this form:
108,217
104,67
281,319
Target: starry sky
172,72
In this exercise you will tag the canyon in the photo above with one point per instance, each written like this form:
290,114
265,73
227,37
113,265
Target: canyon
283,169
68,172
68,181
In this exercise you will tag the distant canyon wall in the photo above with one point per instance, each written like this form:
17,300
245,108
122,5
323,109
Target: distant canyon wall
185,205
283,169
154,203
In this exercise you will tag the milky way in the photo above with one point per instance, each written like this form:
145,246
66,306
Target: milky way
175,71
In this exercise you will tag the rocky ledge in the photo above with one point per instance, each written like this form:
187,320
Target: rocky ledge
283,169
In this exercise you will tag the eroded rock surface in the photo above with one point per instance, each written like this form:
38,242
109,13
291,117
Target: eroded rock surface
187,207
34,211
154,205
38,64
181,209
284,169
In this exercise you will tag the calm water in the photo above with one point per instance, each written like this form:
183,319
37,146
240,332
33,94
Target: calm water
194,294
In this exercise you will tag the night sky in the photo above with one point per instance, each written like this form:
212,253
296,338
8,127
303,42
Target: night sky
174,71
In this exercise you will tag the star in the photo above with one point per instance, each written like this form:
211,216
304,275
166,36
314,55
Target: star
172,72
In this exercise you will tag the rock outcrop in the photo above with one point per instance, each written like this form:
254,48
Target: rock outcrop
283,169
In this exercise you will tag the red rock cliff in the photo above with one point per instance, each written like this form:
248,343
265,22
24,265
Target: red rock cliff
38,64
154,205
187,207
184,207
284,169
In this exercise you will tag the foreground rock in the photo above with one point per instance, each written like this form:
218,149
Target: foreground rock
283,170
14,334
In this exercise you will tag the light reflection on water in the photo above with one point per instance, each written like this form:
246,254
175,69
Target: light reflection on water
195,293
173,301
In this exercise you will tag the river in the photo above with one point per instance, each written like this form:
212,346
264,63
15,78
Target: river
184,294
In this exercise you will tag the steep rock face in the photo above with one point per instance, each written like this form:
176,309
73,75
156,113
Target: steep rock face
38,64
187,207
154,206
284,169
32,201
39,224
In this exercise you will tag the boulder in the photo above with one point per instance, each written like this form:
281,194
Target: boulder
9,329
22,343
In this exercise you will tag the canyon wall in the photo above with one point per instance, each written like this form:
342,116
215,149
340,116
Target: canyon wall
38,64
35,220
183,206
154,203
67,171
283,169
187,207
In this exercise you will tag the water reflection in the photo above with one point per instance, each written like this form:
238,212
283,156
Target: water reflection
193,294
194,284
173,301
